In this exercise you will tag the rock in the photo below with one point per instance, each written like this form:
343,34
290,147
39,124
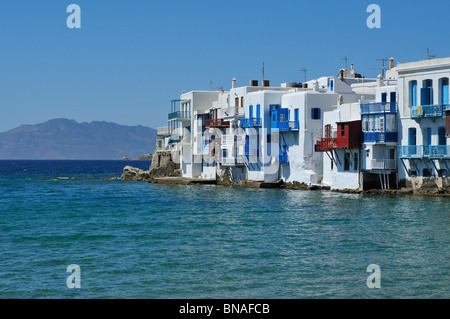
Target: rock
125,158
135,174
113,179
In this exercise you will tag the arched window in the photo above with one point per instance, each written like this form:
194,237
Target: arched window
413,93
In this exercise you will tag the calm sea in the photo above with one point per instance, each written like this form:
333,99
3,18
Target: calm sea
140,240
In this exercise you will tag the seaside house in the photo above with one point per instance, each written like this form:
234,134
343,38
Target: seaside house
424,151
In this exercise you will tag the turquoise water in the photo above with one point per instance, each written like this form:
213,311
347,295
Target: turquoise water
140,240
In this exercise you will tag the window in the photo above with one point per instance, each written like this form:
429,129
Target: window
413,93
242,101
426,172
444,94
332,85
274,117
356,161
346,163
383,97
315,114
426,93
282,117
391,125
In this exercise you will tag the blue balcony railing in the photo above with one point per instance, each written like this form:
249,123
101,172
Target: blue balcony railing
180,115
422,111
251,122
288,126
421,151
374,108
380,137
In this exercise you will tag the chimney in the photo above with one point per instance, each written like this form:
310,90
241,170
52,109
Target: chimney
233,83
391,63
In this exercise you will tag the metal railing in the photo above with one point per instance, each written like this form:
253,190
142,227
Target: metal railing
217,123
421,111
427,151
326,144
288,126
180,115
251,122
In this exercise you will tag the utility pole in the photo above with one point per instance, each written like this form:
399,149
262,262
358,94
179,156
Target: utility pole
383,68
303,70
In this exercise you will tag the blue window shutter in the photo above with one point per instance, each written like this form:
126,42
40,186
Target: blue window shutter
318,114
414,94
441,136
251,111
445,94
424,96
258,111
430,96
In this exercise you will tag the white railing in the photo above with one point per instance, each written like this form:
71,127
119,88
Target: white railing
233,111
164,131
383,164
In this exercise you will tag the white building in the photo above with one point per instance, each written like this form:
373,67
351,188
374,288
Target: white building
424,98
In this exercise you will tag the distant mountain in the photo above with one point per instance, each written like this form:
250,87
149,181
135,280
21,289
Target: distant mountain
68,139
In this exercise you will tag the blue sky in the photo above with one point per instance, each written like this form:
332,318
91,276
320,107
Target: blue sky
130,58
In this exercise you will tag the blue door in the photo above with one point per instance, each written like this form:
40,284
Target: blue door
296,118
412,141
393,97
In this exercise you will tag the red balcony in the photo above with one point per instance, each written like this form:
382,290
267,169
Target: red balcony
348,136
326,144
219,123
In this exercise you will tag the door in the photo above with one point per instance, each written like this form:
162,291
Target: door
412,141
258,111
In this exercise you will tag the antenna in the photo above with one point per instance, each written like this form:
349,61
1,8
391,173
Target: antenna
346,62
210,84
304,70
383,68
263,73
429,57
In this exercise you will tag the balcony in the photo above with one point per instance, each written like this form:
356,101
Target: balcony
218,123
326,144
288,126
180,116
234,111
233,161
383,165
377,108
430,151
253,122
380,137
424,111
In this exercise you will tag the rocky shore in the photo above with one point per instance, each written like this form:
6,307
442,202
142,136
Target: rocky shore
164,171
